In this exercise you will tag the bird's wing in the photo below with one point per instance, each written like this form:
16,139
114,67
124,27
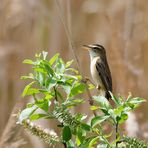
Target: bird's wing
105,75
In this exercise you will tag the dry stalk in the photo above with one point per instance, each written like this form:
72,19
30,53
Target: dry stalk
72,48
10,136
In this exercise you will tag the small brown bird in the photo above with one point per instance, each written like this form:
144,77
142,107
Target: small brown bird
99,69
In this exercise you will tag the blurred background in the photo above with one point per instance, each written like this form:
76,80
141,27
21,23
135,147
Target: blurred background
30,26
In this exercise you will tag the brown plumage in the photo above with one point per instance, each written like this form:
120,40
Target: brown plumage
100,70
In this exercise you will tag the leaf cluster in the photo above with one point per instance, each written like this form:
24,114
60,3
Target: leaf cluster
55,88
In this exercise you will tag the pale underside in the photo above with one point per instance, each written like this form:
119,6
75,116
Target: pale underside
96,77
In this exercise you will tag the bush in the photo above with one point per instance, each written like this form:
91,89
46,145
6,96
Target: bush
55,87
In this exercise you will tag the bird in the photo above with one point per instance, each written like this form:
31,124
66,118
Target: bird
99,69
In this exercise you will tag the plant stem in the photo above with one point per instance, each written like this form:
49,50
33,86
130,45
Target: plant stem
65,145
72,48
90,100
117,134
55,91
35,97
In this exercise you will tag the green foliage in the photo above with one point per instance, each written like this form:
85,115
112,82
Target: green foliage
56,87
66,134
133,142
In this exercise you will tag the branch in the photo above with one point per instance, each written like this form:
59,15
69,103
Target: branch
117,134
55,91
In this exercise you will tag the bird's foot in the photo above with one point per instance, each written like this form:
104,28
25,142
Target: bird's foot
86,79
98,87
91,102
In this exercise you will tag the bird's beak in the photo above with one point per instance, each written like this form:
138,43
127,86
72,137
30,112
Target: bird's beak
87,47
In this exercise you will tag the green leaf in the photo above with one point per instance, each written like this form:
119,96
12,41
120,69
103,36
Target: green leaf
86,142
41,70
91,86
78,88
38,55
66,88
43,104
66,134
122,118
93,141
48,96
85,127
53,59
116,100
72,70
73,102
69,76
80,136
80,117
40,77
68,64
25,114
98,119
132,103
50,83
30,76
48,68
60,66
94,107
137,100
37,116
26,89
108,135
119,110
70,144
112,114
29,105
103,102
32,91
28,61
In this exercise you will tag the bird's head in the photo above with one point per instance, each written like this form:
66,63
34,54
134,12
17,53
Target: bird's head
95,50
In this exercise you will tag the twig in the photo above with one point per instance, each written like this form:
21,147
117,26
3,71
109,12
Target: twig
56,98
65,145
55,91
117,134
72,48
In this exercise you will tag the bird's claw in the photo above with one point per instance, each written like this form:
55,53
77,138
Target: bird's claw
98,87
85,80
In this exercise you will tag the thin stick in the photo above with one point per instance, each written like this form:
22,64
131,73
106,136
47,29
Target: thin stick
72,48
65,145
71,45
117,134
55,91
56,98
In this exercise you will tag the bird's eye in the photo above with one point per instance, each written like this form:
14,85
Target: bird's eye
95,50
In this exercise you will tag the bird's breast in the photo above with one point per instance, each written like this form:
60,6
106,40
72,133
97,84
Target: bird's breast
96,77
94,72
